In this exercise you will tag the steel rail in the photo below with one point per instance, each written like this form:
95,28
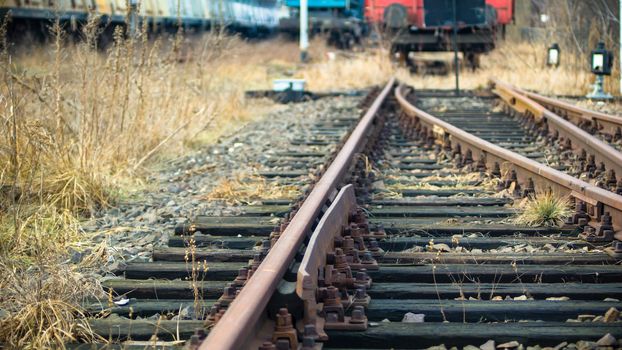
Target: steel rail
524,167
611,123
240,320
580,139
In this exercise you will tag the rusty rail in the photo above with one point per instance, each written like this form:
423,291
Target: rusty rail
314,266
523,170
240,321
604,123
575,138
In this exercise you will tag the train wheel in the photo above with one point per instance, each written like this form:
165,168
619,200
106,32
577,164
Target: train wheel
472,60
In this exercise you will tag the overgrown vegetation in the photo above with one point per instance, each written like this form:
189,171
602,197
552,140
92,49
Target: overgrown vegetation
544,209
81,124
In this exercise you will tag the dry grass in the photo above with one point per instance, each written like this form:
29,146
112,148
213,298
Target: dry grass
41,294
349,71
544,209
249,188
79,126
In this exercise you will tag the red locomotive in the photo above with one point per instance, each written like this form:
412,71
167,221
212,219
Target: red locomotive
427,25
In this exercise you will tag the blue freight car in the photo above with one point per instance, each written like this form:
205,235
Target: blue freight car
341,20
247,16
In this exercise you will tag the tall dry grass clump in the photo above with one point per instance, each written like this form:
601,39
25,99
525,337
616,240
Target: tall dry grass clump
77,121
349,71
544,209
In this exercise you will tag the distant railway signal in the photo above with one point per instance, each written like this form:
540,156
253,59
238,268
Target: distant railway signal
601,61
552,56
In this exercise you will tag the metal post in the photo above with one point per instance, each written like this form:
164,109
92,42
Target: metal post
133,18
455,40
304,29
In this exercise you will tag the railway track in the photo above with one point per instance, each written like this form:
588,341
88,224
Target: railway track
406,240
198,273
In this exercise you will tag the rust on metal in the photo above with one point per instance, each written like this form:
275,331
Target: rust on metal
240,321
580,140
314,262
543,177
605,123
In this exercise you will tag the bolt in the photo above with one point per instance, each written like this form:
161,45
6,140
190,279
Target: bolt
481,164
373,245
332,317
530,188
611,178
358,315
283,320
220,314
310,331
242,277
340,259
368,258
605,219
308,343
360,294
200,332
468,157
266,244
283,344
195,341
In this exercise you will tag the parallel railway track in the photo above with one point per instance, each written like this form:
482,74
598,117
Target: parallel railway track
413,220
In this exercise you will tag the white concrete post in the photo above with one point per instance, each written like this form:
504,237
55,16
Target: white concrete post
304,29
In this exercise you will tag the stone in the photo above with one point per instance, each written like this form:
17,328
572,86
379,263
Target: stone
598,318
611,299
560,346
441,247
509,345
134,213
497,298
611,315
584,318
410,317
386,320
558,298
489,345
521,297
438,347
173,188
378,185
470,347
607,340
586,345
150,218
